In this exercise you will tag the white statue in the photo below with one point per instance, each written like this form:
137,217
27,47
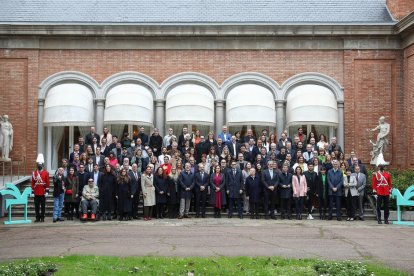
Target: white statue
380,146
6,138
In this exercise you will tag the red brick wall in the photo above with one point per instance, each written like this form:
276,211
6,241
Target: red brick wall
400,8
366,76
409,97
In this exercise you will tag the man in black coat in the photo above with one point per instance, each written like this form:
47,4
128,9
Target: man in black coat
89,137
155,142
201,183
201,148
311,180
142,136
135,189
270,182
234,147
322,188
235,187
285,187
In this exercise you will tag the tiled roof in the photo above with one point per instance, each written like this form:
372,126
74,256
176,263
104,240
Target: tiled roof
195,11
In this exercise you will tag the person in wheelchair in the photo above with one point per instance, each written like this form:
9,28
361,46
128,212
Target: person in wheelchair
90,195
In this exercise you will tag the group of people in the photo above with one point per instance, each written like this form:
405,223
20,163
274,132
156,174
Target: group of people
105,177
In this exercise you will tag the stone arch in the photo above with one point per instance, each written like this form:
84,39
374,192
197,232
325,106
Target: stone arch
65,77
189,78
312,78
130,77
250,78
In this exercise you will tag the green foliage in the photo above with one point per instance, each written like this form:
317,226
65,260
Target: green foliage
345,268
100,265
28,267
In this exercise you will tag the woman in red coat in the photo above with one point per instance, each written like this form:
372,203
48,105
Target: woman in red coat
300,188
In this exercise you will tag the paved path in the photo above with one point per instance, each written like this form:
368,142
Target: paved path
389,244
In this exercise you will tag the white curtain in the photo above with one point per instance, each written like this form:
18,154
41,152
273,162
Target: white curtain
57,135
118,130
83,131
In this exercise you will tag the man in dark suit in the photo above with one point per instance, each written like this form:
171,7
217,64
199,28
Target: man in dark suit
335,183
98,158
356,163
201,181
76,150
144,137
234,147
235,187
135,189
201,148
285,188
155,142
95,174
89,165
253,149
89,137
270,182
311,180
249,135
220,146
181,138
186,184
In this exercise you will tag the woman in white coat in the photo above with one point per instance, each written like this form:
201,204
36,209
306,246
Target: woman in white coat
351,194
148,192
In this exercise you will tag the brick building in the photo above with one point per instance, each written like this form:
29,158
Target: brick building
330,66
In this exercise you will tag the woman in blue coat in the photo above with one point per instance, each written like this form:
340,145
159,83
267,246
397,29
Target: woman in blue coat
161,190
254,193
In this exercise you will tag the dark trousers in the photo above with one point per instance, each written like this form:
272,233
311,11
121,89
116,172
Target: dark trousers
200,202
338,205
69,207
309,202
323,205
286,204
270,198
350,205
254,209
147,211
238,201
160,210
39,202
380,200
173,210
299,201
135,203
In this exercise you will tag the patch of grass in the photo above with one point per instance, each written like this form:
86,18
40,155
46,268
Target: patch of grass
99,265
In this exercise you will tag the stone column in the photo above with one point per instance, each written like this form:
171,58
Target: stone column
340,134
280,117
160,116
40,128
99,120
219,116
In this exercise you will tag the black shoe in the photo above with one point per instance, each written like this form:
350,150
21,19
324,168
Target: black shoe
300,217
37,220
379,222
60,219
251,217
104,217
257,216
283,217
42,219
361,218
54,220
273,217
121,218
267,217
386,222
203,216
338,219
329,218
197,216
240,216
229,216
289,218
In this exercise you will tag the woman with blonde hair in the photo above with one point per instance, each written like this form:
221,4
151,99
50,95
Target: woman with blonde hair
173,193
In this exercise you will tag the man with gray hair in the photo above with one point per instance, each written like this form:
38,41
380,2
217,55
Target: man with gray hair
335,184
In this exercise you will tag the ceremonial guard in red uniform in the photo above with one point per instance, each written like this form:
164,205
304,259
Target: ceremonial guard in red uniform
40,188
382,186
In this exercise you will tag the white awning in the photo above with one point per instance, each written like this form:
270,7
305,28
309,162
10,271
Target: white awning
129,104
69,104
250,104
311,103
190,104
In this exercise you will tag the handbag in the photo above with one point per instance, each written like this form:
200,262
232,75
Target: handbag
68,192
